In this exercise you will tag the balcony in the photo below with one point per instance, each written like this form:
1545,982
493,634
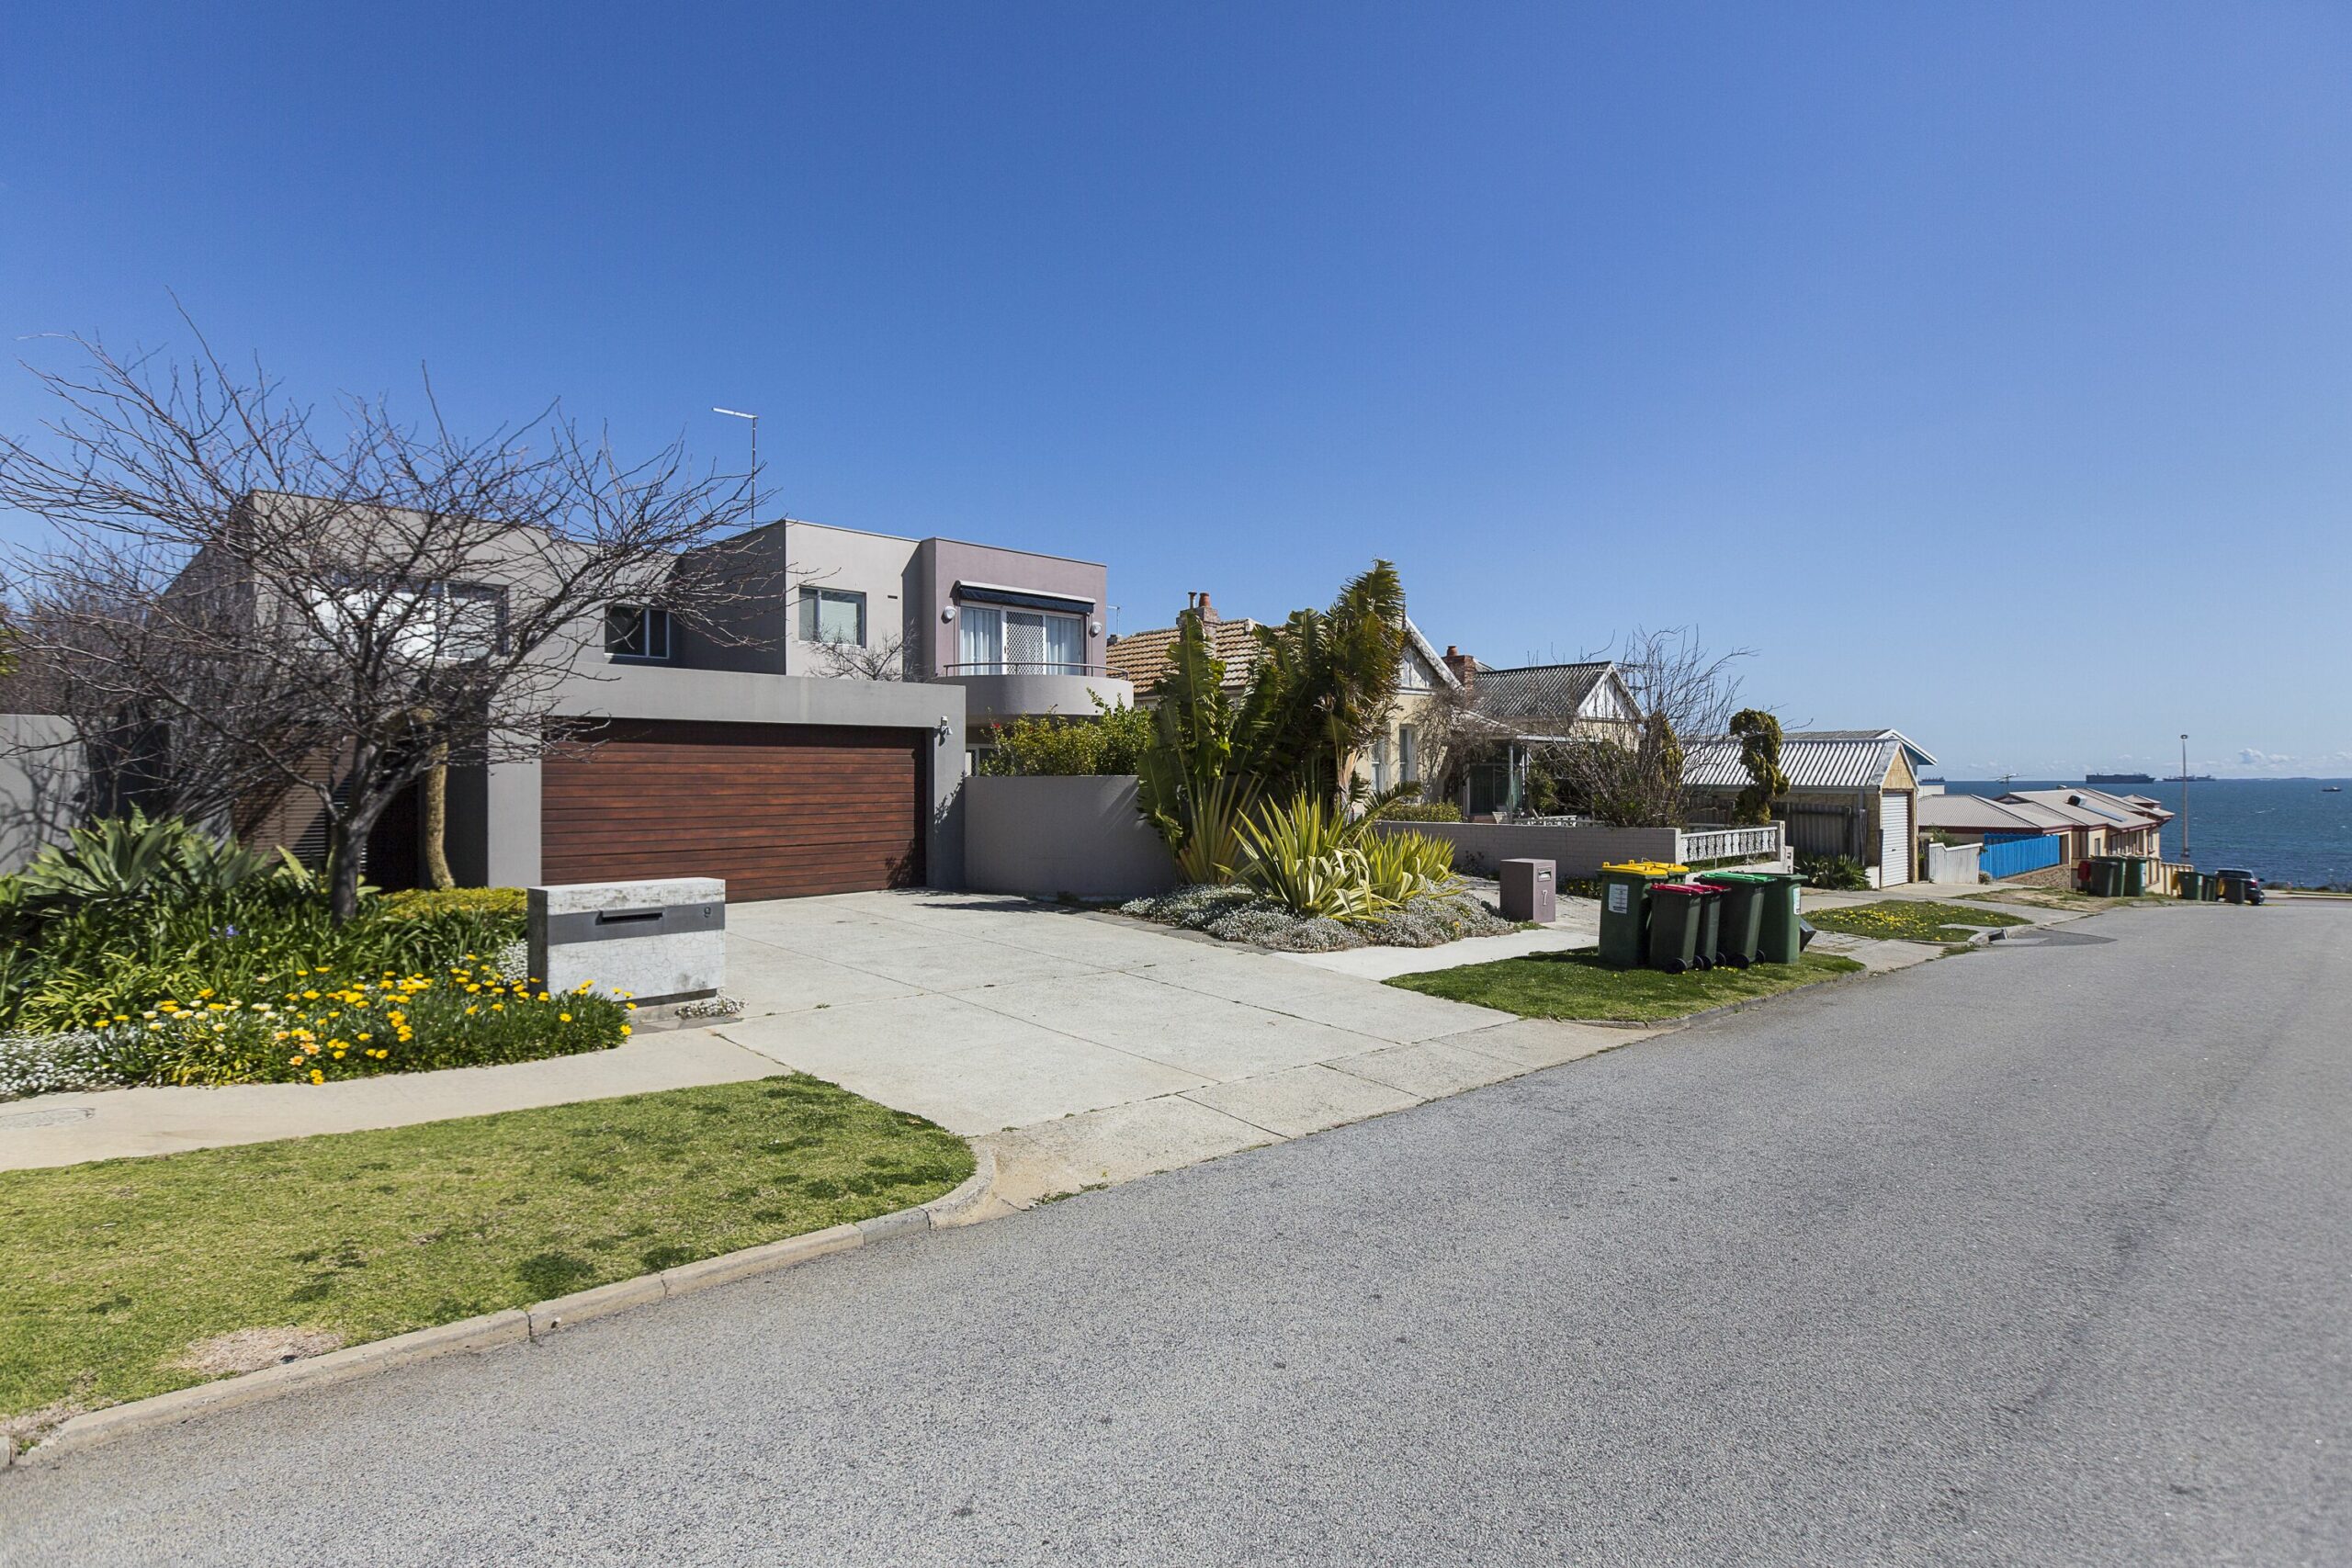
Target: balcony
1004,690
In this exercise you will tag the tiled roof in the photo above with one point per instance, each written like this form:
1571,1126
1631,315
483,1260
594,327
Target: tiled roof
1142,657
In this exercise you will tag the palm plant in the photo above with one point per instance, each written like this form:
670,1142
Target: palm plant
1323,686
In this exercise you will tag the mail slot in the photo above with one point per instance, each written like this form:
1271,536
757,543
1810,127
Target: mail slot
1530,891
659,940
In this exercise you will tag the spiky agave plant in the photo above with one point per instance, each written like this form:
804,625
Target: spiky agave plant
1304,855
1400,867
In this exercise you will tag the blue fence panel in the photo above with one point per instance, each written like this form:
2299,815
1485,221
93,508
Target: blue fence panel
2013,856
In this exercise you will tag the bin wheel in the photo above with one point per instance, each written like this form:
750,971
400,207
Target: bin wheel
1737,963
1673,966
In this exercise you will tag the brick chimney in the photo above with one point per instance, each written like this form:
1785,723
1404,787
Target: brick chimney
1208,611
1462,664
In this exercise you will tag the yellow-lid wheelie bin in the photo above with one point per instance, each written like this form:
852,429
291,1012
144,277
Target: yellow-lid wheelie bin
1625,911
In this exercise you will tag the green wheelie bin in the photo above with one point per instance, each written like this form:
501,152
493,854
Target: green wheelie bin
2135,875
1625,909
1677,911
2184,884
1779,937
1711,924
2107,876
1740,933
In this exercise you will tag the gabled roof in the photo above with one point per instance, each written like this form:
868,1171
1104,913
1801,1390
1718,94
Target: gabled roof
1814,758
1141,657
1556,692
2087,808
1977,814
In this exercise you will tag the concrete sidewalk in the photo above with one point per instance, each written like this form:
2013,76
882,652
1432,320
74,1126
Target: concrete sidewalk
67,1129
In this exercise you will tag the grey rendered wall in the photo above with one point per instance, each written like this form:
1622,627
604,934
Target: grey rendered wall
1576,850
940,564
730,697
41,775
1051,836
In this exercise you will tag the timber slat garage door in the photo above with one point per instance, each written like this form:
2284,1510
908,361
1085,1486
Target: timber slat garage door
779,810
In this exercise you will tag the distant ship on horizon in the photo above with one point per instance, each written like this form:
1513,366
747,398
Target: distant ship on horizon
2118,778
2189,778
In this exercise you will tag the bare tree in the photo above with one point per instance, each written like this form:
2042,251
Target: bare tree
884,661
258,598
1682,692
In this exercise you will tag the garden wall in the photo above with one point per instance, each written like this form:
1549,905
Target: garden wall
1578,851
1952,864
1046,837
41,775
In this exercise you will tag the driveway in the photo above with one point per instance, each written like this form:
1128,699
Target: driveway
1099,1048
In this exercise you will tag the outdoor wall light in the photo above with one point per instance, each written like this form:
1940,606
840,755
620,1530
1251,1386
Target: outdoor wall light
947,612
1093,628
945,728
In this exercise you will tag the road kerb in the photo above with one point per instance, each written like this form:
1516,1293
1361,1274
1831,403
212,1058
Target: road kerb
516,1325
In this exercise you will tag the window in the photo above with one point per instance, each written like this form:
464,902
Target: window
1409,761
1380,764
426,623
636,631
1020,642
833,615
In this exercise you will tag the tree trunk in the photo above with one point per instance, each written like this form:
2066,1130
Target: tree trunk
435,830
343,843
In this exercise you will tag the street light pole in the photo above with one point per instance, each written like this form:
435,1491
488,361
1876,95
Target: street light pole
2183,801
784,646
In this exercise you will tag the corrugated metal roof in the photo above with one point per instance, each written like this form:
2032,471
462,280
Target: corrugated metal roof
1537,691
1810,764
1975,813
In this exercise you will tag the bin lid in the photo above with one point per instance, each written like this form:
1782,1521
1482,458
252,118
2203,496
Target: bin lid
1689,889
1749,879
1645,867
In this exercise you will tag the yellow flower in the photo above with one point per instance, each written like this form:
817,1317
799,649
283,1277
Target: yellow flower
626,1031
563,1018
296,1061
317,1077
309,996
498,1007
471,1011
204,993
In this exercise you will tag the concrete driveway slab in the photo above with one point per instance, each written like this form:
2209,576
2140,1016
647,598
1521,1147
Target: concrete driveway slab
1120,1144
1201,1034
1428,1070
1303,1099
1546,1043
967,1068
1362,1007
768,978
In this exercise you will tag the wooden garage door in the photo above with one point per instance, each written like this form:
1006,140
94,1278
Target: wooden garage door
777,809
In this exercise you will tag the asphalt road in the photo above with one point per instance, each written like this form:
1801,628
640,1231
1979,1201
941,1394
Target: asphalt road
2037,1256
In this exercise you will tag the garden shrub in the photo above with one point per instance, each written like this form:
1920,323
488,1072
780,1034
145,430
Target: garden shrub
1419,811
431,903
1109,742
1837,874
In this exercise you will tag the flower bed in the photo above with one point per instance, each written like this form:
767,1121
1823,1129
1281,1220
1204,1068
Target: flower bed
1234,913
321,1028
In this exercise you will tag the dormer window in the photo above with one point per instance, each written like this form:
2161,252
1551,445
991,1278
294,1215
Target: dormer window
639,632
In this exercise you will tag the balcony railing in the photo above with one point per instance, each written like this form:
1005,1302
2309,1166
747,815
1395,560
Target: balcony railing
1024,667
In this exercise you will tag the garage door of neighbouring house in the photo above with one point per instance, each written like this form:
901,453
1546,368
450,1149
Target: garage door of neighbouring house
778,810
1895,838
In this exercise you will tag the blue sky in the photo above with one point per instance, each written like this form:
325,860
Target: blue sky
1987,369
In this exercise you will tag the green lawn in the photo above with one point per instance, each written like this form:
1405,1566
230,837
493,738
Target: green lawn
1576,985
1904,920
115,1269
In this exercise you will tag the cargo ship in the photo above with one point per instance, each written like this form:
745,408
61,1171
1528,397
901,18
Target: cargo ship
2118,778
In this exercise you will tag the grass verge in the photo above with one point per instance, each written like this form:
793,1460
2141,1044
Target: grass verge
1576,985
133,1276
2064,898
1905,920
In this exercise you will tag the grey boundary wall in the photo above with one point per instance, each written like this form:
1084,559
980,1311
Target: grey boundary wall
1579,851
1046,837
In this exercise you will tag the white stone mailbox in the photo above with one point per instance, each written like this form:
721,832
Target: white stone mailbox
663,941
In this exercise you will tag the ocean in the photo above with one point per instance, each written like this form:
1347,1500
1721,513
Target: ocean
2286,831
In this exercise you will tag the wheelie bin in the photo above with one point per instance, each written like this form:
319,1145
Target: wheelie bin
2184,884
1711,924
1741,929
2234,884
2135,875
1676,909
2107,876
1779,937
1625,909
